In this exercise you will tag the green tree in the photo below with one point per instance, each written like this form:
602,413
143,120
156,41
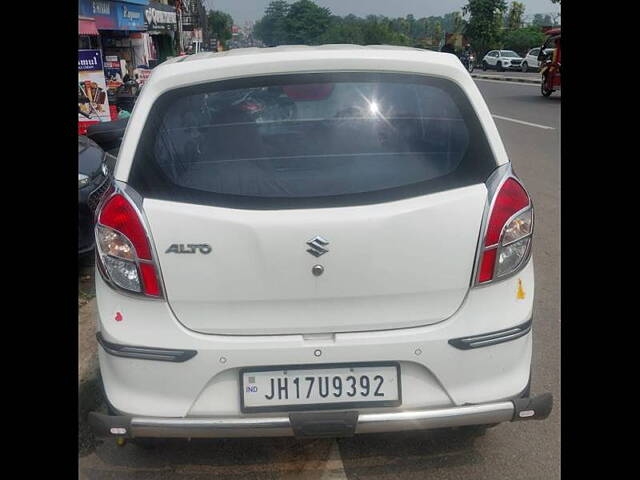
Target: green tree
453,22
220,25
513,20
343,31
437,33
522,40
484,25
271,28
540,20
306,22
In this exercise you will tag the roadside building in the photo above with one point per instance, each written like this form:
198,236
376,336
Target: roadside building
122,31
161,24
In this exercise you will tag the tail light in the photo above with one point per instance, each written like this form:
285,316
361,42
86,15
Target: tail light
124,250
507,239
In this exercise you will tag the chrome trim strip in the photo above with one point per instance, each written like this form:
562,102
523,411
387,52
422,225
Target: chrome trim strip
211,427
437,418
228,427
145,353
493,184
492,338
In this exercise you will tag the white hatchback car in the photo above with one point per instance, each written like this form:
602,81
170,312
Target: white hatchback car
313,241
531,61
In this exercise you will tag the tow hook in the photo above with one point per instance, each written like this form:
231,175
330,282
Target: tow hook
532,408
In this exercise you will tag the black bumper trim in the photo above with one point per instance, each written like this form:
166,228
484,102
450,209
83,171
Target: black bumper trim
145,353
492,338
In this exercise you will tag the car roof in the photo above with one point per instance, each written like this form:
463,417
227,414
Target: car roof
256,61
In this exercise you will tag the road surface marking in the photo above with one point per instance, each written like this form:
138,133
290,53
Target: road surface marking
523,122
334,468
511,82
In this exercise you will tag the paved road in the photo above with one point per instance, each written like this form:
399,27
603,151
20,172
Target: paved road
527,450
509,73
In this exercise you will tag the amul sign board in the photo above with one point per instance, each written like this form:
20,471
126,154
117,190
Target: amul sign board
89,60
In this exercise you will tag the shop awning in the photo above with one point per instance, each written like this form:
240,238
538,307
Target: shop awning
87,26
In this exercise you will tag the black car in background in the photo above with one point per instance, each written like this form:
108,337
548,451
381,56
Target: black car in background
95,169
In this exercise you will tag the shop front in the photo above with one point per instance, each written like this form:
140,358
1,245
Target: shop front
161,24
122,32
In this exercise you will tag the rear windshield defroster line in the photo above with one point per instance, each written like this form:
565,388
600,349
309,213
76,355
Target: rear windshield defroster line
310,140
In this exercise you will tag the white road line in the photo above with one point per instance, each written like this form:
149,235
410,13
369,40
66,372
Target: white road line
524,84
334,460
523,122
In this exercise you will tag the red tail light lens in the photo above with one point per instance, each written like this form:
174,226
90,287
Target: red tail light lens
118,214
511,199
123,247
150,279
487,263
508,236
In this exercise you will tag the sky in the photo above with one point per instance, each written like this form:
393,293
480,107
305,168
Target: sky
243,10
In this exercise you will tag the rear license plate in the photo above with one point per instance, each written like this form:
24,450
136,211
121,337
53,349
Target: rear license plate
269,389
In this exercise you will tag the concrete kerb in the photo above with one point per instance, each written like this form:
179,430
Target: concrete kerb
499,78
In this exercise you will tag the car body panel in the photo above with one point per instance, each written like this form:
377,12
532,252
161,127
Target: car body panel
532,57
433,372
390,265
90,161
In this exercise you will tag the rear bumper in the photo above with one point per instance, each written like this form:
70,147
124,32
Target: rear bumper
322,423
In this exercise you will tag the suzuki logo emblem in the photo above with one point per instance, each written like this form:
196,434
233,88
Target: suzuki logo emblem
317,246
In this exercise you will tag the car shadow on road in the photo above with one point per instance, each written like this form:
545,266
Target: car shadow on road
408,454
364,455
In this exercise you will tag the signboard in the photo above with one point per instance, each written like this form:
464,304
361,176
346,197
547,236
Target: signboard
89,60
93,104
111,15
142,75
112,71
130,17
160,17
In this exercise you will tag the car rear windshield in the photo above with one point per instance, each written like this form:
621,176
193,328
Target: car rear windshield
310,140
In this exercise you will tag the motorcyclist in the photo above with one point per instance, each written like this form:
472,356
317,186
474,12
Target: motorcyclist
448,48
466,55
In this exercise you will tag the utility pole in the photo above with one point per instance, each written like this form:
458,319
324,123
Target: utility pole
179,19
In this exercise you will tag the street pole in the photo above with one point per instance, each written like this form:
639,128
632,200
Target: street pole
179,18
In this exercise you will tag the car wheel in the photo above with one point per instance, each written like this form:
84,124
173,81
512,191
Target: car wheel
525,67
484,66
499,67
